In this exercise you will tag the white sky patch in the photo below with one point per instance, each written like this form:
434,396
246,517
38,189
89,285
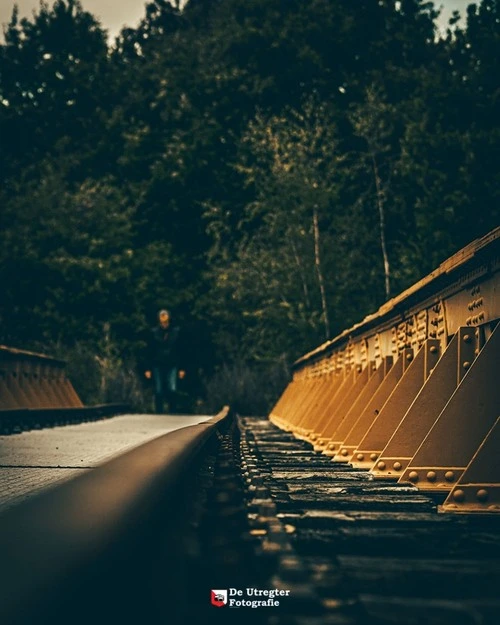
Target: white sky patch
115,14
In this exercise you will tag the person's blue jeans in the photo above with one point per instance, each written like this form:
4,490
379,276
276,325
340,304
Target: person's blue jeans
165,388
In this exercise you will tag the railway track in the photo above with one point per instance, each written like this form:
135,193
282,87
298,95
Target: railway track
371,494
353,549
244,507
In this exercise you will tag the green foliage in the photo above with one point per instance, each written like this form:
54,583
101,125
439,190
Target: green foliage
248,389
270,171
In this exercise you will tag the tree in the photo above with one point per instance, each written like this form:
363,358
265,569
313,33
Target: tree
373,121
53,75
277,275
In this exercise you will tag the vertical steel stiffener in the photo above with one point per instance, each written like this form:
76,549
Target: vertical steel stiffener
411,393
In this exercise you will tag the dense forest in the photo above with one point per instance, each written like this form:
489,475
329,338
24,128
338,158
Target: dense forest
269,170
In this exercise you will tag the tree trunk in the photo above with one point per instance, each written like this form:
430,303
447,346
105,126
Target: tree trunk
317,262
381,212
300,268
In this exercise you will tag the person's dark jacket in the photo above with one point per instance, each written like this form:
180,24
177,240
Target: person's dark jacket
163,348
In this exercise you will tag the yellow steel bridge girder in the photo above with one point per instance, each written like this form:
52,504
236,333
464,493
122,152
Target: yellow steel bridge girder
345,406
354,414
462,425
392,412
373,408
430,401
478,490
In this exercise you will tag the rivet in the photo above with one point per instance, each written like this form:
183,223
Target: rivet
459,496
449,476
433,349
482,494
359,456
409,356
331,446
397,466
373,456
467,338
345,452
381,465
431,476
466,364
413,476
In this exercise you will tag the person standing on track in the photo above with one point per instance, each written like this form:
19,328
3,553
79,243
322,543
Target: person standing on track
163,358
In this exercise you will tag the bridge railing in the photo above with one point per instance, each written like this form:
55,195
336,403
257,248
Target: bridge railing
30,380
412,392
35,391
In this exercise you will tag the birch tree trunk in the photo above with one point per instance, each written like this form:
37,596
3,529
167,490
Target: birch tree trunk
381,213
321,282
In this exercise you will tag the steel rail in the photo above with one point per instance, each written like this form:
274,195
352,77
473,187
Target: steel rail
85,549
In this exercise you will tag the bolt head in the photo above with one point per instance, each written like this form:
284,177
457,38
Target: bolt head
344,452
381,465
482,494
359,456
467,338
413,476
449,476
397,466
431,476
373,456
459,496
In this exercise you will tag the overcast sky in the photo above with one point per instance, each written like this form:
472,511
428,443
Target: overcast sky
113,14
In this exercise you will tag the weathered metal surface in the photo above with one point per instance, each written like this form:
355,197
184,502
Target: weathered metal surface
373,408
424,411
341,395
462,425
316,428
417,420
478,489
394,409
360,382
353,412
93,549
29,380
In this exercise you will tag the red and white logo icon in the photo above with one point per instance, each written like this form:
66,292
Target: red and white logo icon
218,597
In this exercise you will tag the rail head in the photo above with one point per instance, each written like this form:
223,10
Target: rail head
86,524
